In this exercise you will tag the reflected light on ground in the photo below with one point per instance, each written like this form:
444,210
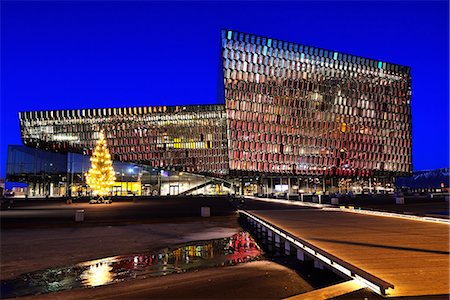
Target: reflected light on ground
191,256
96,275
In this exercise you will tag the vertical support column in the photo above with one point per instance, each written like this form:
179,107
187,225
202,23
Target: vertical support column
51,188
318,264
300,255
271,185
289,187
287,248
339,186
323,189
269,235
159,184
264,234
258,230
270,239
255,224
281,183
277,240
266,187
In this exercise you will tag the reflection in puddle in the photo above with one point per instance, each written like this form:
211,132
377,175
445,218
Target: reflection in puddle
239,248
96,275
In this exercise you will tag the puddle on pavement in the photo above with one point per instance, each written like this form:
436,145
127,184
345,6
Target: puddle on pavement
239,248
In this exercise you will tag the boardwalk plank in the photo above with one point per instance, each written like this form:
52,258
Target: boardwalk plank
412,255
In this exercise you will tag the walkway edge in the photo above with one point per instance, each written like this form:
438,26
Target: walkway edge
374,283
390,215
330,291
353,210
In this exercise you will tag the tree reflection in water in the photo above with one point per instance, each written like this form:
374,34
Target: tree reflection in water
239,248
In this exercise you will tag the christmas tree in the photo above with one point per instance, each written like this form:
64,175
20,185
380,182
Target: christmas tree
100,176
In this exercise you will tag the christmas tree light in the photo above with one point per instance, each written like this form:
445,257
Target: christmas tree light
100,176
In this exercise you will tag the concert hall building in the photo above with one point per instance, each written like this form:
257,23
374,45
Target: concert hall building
295,119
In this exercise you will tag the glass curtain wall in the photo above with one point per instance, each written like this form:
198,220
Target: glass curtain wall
182,138
299,110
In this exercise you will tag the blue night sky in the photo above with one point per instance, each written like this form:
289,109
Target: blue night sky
71,55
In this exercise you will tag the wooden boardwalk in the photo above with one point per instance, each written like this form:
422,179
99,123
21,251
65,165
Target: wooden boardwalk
411,255
330,291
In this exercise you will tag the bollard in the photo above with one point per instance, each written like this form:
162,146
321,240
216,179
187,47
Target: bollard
69,201
205,211
79,215
301,196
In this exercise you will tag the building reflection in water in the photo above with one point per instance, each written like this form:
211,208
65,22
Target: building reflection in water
222,252
239,248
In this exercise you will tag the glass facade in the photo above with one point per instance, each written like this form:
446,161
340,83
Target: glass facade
290,110
43,171
57,174
184,138
299,110
34,163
